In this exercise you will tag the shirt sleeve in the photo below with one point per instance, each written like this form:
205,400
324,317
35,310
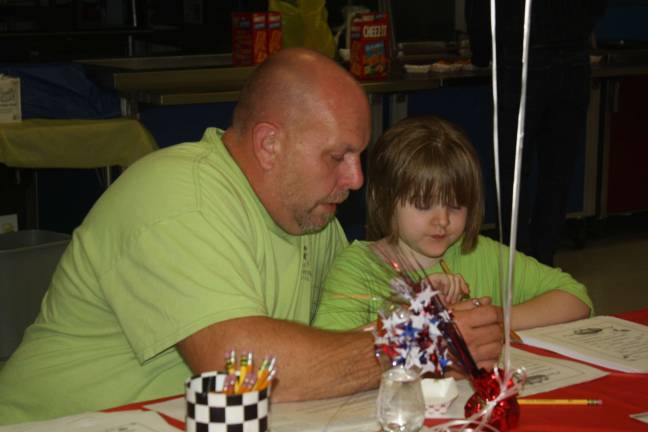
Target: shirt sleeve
481,269
533,278
354,290
180,276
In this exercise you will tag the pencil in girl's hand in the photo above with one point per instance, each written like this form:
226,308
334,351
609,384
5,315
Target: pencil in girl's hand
444,267
447,271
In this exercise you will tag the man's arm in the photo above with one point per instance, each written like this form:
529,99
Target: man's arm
315,364
312,363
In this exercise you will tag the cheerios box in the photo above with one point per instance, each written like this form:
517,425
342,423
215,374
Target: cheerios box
273,24
249,38
10,108
370,45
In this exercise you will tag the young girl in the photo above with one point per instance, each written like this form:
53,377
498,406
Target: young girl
425,197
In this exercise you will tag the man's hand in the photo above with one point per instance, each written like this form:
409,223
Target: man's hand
480,323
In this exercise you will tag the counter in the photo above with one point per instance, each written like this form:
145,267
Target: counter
179,80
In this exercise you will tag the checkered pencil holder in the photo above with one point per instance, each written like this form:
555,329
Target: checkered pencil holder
210,410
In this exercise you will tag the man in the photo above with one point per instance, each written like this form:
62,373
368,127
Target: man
206,247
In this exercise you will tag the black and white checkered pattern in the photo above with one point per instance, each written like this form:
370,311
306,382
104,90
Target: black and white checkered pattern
208,411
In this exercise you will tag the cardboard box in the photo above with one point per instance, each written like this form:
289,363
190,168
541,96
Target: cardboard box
10,109
249,38
370,45
255,35
273,24
27,261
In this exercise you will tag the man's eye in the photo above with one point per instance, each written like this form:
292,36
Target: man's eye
337,157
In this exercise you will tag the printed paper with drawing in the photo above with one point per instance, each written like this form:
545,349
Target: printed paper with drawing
545,373
605,341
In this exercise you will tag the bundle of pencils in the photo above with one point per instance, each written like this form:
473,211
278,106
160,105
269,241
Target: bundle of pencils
246,378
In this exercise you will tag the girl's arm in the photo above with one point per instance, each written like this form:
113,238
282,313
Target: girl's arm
542,295
552,307
546,295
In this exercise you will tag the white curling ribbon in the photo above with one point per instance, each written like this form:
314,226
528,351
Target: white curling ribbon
479,421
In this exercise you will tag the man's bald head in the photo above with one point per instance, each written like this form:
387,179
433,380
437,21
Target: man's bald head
299,128
287,86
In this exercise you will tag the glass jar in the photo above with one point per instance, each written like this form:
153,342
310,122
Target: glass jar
400,405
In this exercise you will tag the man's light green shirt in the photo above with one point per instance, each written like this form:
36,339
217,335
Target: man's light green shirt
179,242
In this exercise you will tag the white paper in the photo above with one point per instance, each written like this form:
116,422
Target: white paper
348,413
605,341
545,373
123,421
10,105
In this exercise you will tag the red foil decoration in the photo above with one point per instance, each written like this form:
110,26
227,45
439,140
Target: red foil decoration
506,414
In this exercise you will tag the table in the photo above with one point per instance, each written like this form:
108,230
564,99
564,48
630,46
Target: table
46,143
622,394
72,143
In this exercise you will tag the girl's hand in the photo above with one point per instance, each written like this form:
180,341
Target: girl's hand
453,287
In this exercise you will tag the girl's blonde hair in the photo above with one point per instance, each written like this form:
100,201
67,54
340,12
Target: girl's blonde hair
423,161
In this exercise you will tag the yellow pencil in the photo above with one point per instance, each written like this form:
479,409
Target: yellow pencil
444,267
560,401
352,296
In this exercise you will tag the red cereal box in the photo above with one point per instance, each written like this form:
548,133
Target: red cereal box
249,38
273,24
370,45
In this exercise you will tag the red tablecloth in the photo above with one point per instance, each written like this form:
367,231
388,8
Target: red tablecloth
622,394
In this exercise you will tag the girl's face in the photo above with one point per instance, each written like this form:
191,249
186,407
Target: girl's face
429,232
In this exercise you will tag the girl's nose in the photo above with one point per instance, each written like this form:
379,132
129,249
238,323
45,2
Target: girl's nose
440,216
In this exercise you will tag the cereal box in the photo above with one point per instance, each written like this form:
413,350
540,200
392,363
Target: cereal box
370,45
273,24
10,108
249,38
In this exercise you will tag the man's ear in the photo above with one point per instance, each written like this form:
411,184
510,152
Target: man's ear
266,143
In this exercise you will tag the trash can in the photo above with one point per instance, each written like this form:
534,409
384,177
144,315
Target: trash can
27,261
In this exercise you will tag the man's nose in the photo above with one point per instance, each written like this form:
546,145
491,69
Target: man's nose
353,176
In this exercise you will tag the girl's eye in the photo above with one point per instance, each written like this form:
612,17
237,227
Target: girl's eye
422,207
337,157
